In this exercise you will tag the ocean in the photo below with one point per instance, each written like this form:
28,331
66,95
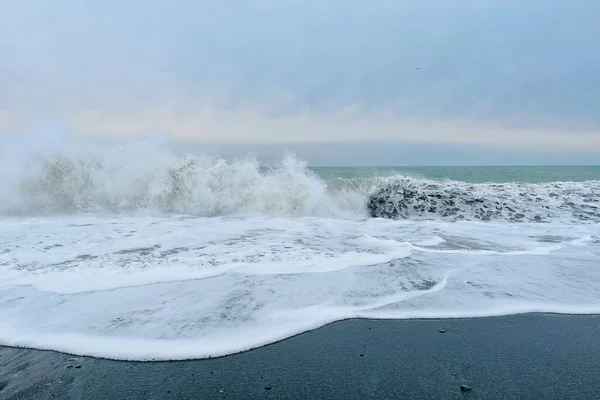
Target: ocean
133,252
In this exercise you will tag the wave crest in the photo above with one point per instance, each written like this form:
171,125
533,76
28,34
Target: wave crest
61,183
408,198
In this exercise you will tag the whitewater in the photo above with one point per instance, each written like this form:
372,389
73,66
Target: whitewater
132,251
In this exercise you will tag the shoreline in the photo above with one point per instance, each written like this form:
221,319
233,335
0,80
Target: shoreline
258,347
534,355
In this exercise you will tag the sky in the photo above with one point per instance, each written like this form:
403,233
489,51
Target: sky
435,79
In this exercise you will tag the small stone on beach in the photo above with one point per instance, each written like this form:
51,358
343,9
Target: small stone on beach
465,388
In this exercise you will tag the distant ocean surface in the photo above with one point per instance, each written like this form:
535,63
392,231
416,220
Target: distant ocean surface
501,174
133,252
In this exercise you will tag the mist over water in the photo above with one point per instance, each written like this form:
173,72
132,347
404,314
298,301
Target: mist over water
132,251
148,177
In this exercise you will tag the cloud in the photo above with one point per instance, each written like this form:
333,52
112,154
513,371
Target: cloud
347,125
497,73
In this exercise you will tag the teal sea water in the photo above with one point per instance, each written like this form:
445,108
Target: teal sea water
474,174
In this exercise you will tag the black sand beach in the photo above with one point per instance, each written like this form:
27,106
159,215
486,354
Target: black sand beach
532,356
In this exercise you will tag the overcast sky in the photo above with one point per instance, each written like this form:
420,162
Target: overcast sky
516,78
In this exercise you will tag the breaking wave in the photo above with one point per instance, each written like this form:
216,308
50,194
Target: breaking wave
407,198
147,176
70,177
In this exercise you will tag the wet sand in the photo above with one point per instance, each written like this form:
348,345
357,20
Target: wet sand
532,356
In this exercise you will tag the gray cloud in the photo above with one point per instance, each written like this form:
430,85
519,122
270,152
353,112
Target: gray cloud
128,67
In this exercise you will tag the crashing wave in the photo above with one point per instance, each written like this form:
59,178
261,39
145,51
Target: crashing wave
407,198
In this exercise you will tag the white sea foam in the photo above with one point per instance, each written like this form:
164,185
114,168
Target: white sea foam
172,288
134,253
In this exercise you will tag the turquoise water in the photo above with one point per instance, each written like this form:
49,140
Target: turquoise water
501,174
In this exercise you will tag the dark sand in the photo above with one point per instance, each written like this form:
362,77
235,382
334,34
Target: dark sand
533,356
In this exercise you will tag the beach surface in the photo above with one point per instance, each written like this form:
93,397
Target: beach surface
529,356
